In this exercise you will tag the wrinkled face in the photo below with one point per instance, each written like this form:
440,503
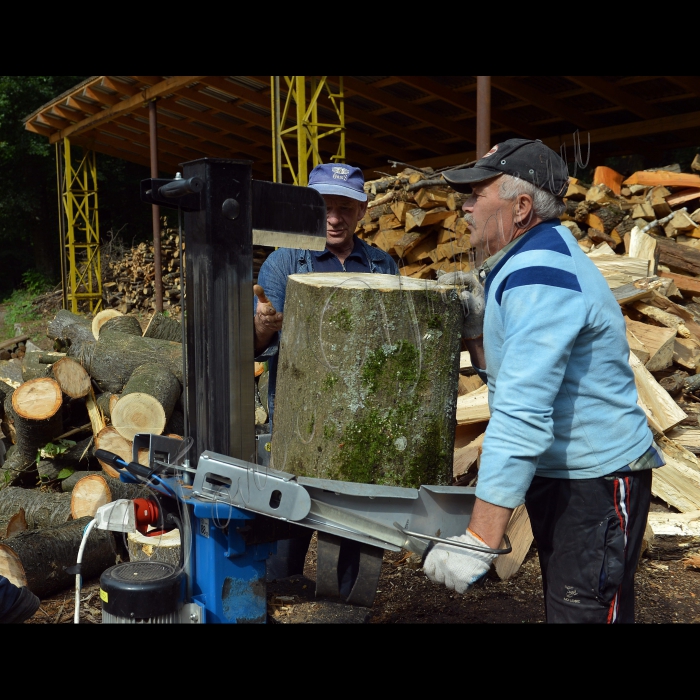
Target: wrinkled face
489,217
342,215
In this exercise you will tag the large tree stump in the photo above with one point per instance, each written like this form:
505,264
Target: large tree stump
116,355
164,328
38,416
41,508
37,558
367,379
93,491
147,401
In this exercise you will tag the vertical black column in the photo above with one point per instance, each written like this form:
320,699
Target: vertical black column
219,311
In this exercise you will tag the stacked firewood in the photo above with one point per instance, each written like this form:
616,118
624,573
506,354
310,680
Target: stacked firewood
129,282
416,217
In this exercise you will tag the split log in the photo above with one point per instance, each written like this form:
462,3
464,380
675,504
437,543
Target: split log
37,558
147,401
116,355
656,342
41,508
163,327
109,439
619,270
519,533
370,395
686,352
122,324
38,416
678,482
672,535
473,407
71,377
679,256
13,524
93,491
163,548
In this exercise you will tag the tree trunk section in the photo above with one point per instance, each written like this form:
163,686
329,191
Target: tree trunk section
71,377
92,492
164,328
367,379
116,355
64,319
36,559
18,469
103,402
147,401
41,508
38,416
101,318
32,367
123,324
68,483
163,548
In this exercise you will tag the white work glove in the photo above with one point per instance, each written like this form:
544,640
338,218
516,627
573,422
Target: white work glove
473,301
459,569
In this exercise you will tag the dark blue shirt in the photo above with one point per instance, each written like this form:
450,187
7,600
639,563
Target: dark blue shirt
326,261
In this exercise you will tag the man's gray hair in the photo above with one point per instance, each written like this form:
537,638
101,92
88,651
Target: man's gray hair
545,205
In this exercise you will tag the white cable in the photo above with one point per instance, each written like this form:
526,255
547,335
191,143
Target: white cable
86,534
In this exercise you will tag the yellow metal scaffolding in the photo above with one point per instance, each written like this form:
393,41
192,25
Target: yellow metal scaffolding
295,119
79,229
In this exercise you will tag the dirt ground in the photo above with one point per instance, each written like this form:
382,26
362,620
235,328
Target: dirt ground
667,591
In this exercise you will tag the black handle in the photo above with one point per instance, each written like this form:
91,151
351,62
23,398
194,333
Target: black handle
179,188
118,463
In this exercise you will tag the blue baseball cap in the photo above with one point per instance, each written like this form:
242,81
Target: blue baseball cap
338,179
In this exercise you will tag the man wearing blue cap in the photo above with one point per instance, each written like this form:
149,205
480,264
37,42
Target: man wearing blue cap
342,188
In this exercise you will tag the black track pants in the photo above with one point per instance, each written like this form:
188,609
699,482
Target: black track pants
589,536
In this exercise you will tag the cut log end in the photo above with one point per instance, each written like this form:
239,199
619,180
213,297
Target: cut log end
138,413
37,399
109,439
71,377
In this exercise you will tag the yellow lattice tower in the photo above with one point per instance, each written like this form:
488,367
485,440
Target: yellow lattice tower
295,119
79,229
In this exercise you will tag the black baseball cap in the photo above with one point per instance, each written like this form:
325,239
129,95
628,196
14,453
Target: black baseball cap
529,160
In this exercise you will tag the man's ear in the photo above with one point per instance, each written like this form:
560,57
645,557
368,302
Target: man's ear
524,209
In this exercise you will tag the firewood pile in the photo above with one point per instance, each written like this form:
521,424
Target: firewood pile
416,217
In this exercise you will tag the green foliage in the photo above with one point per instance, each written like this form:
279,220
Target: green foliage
65,473
35,282
51,450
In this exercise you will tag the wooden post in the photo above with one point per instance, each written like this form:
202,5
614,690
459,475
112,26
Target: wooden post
483,115
153,129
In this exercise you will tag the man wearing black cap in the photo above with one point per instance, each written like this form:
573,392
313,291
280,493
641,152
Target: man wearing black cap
566,435
342,188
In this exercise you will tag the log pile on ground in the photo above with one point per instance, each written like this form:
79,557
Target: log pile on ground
643,233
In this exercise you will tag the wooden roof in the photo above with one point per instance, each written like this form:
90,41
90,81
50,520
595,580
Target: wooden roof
422,120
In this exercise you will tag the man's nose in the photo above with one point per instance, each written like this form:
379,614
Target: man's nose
332,214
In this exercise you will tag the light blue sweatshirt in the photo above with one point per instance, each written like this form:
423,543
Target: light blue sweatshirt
561,392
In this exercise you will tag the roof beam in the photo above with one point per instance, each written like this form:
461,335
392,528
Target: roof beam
125,106
544,101
614,94
467,102
688,82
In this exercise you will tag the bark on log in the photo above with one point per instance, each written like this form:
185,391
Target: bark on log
116,355
19,469
104,403
38,415
109,439
8,419
176,423
122,324
69,483
71,377
163,548
681,257
164,328
37,558
47,470
57,328
101,318
13,524
367,382
41,508
32,367
147,401
92,492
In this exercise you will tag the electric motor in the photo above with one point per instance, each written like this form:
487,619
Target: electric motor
142,592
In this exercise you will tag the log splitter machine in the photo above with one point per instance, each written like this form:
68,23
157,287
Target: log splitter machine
233,507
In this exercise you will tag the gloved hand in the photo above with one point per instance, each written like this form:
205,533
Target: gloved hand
459,569
473,301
